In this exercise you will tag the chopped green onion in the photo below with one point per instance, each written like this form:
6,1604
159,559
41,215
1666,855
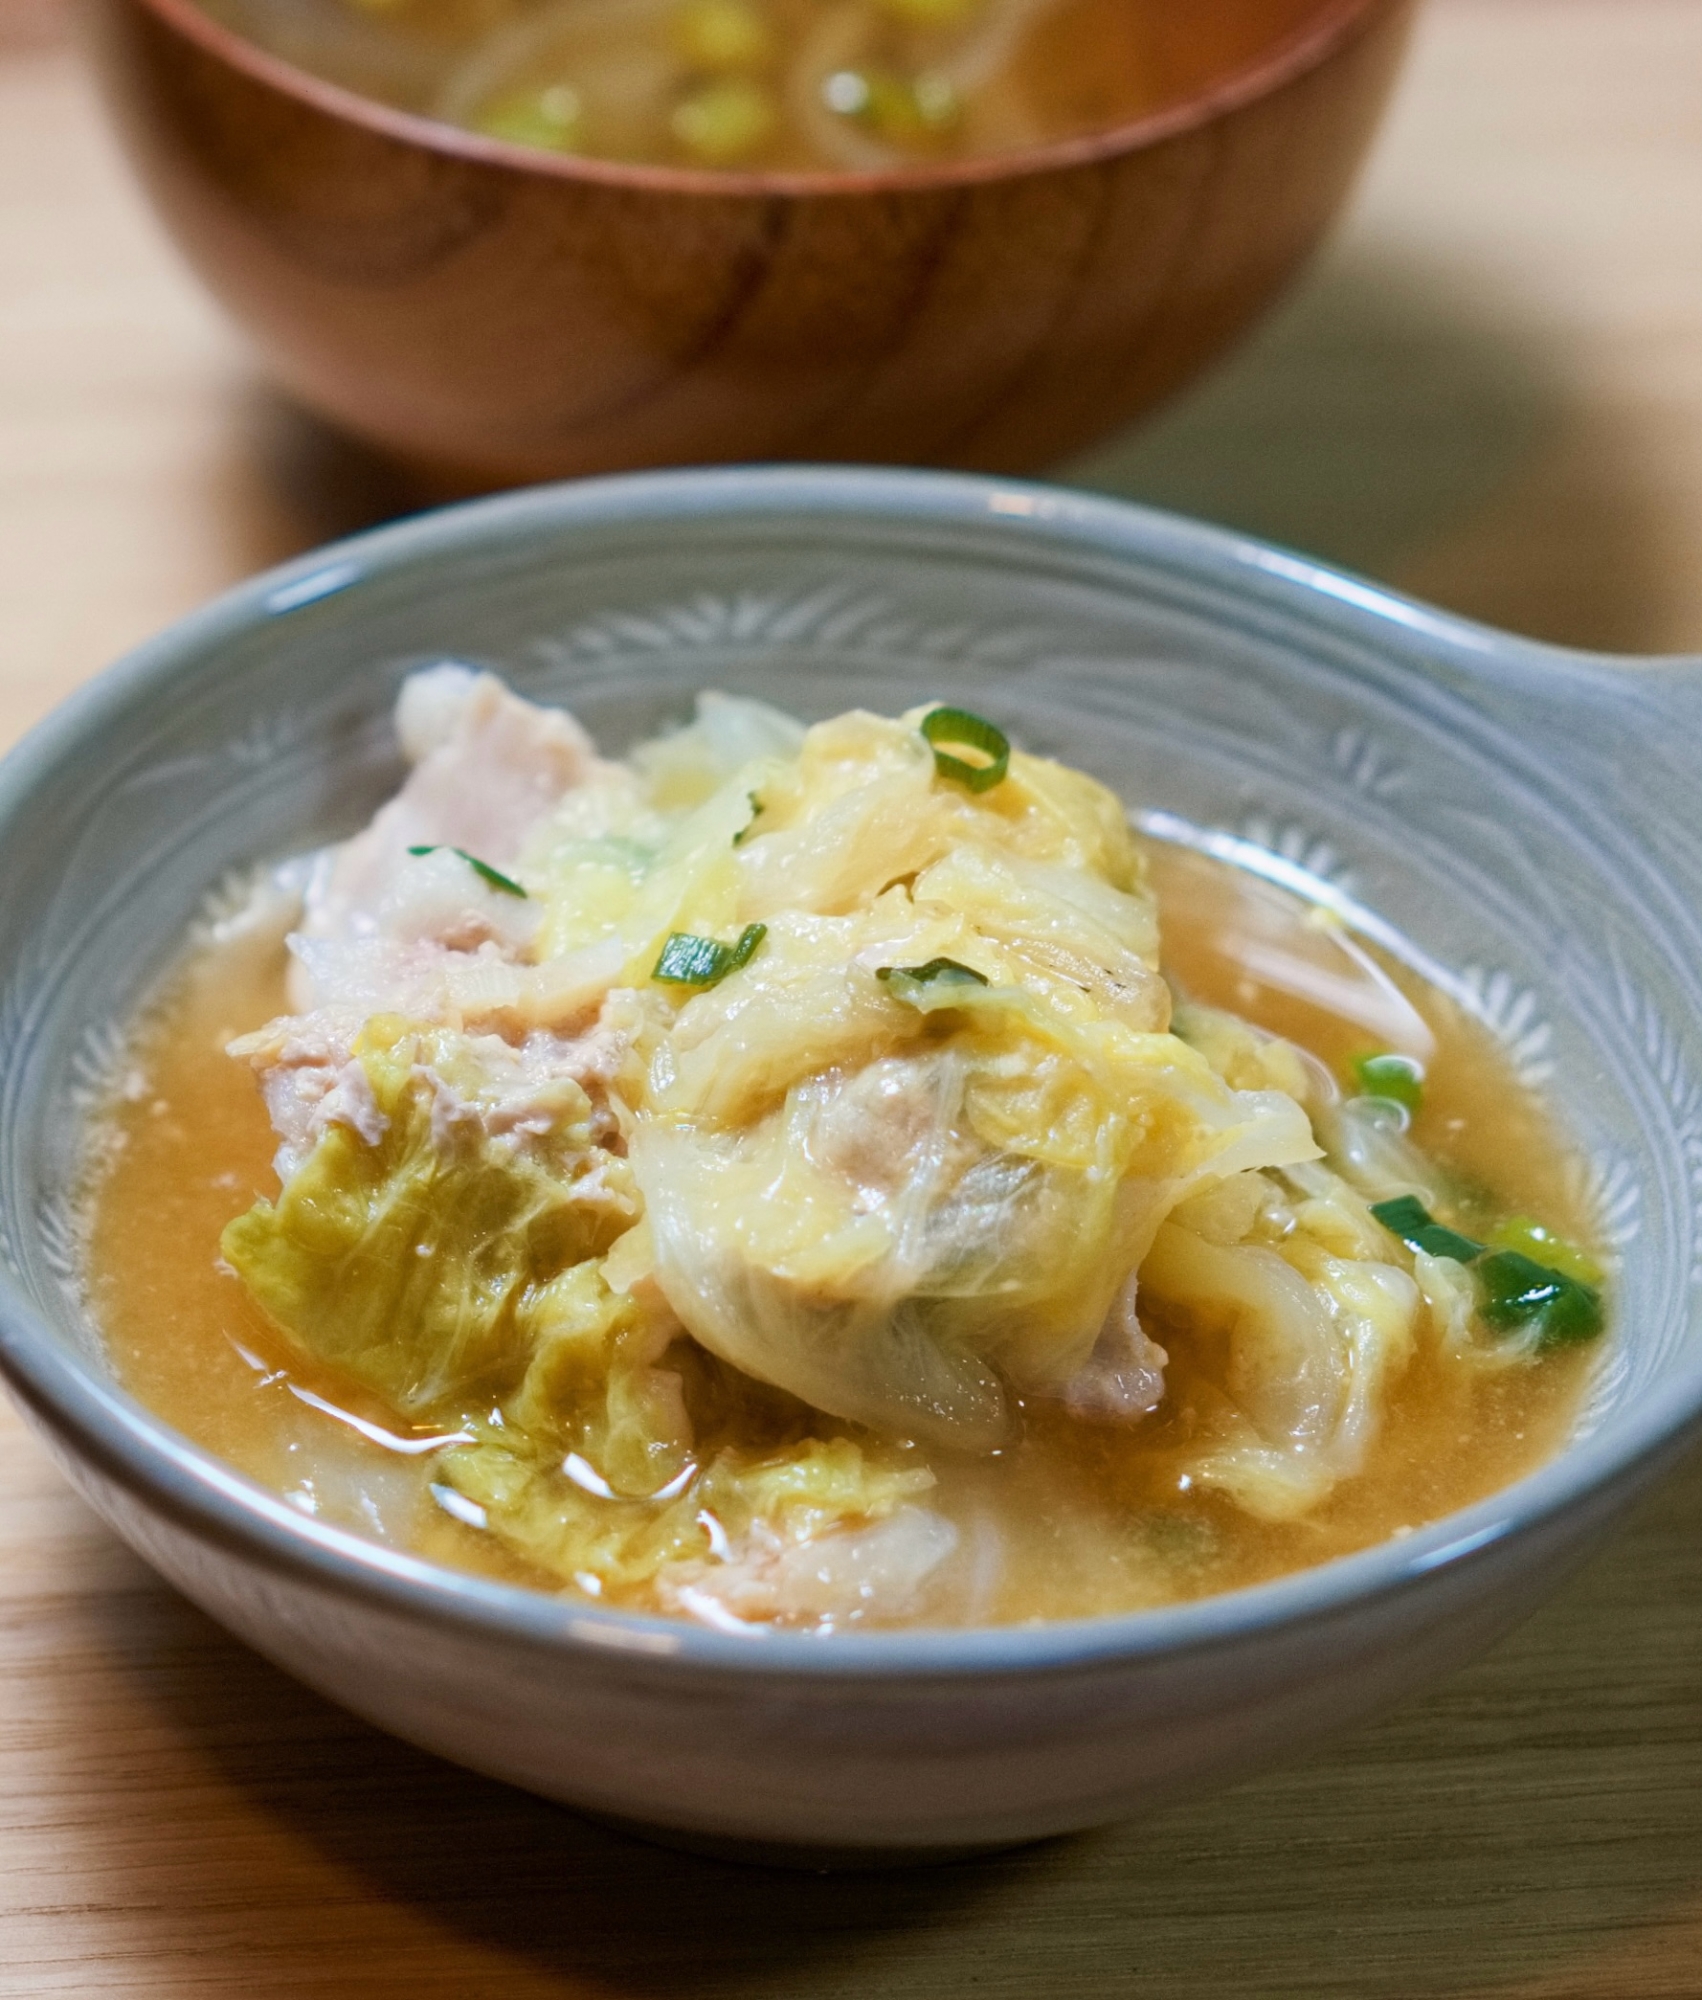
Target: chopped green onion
719,35
963,731
1397,1078
1519,1292
744,833
724,121
745,950
937,971
913,984
1513,1290
699,961
552,118
1531,1239
906,110
693,961
483,869
1408,1218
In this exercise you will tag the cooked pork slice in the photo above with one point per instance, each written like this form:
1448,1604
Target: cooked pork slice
311,1078
516,1093
397,952
1123,1378
487,767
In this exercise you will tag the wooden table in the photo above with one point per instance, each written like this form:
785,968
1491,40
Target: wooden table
1491,391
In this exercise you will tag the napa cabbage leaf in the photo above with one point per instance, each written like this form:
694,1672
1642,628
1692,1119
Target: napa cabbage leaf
429,1263
627,1546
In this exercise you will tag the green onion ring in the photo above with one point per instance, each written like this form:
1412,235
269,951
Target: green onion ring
968,732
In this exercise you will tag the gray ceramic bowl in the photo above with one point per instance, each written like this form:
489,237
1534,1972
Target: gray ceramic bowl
1520,821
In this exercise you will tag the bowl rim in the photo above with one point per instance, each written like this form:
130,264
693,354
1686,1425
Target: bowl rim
1328,26
125,1443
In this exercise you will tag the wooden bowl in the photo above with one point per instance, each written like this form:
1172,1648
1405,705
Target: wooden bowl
493,314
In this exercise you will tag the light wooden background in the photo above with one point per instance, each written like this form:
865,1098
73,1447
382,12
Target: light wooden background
1491,391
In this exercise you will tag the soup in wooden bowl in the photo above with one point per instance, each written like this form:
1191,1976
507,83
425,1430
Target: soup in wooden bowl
511,242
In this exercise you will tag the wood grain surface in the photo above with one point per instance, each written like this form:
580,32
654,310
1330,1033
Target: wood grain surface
1491,391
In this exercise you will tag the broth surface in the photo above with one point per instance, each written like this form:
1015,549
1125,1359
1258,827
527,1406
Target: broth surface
1074,1519
772,85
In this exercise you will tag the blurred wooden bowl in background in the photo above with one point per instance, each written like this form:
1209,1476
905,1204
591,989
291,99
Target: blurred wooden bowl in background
494,315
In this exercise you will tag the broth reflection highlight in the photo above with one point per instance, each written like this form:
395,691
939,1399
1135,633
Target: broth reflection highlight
771,85
1328,1350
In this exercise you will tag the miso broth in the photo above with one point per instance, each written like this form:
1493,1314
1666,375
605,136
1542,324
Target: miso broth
1067,1515
772,85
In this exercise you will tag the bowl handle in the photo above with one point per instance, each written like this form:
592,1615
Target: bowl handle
1625,734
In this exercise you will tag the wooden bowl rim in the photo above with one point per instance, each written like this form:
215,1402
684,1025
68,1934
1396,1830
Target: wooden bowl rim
1330,24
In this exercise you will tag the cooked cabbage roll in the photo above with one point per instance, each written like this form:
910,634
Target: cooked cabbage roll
714,1138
